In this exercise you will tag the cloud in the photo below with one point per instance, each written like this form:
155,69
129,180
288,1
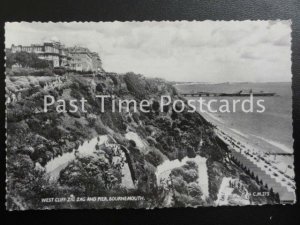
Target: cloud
249,55
196,51
283,41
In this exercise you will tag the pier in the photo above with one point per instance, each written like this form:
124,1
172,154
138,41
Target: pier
220,94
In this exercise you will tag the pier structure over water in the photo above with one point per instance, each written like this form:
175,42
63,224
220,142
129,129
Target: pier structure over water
220,94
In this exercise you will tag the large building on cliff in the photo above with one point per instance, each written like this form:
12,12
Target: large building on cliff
73,58
52,51
82,59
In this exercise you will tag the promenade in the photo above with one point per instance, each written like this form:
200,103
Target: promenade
284,194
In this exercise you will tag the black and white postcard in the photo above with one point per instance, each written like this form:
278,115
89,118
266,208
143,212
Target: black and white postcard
153,114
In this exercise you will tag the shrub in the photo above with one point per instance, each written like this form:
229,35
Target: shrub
59,71
132,143
151,141
44,72
166,108
191,152
135,85
155,106
100,129
135,117
155,157
114,79
75,93
78,124
76,114
26,59
99,88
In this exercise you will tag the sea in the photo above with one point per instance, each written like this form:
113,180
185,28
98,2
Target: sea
270,131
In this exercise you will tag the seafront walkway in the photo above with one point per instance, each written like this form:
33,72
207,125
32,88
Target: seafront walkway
284,194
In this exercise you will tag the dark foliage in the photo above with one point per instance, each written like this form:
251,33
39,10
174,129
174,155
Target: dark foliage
26,59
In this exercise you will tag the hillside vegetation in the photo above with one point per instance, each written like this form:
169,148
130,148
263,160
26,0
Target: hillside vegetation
36,137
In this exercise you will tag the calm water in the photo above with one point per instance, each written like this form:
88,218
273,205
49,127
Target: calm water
271,130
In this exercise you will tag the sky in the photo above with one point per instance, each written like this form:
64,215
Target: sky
206,51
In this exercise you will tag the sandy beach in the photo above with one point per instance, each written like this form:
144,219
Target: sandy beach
279,167
270,164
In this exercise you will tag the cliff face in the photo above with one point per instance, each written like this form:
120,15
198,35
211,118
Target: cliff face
35,137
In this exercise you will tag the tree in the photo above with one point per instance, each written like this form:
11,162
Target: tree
277,197
10,59
99,88
91,175
191,152
194,190
132,143
271,192
59,71
26,59
257,179
155,106
166,108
